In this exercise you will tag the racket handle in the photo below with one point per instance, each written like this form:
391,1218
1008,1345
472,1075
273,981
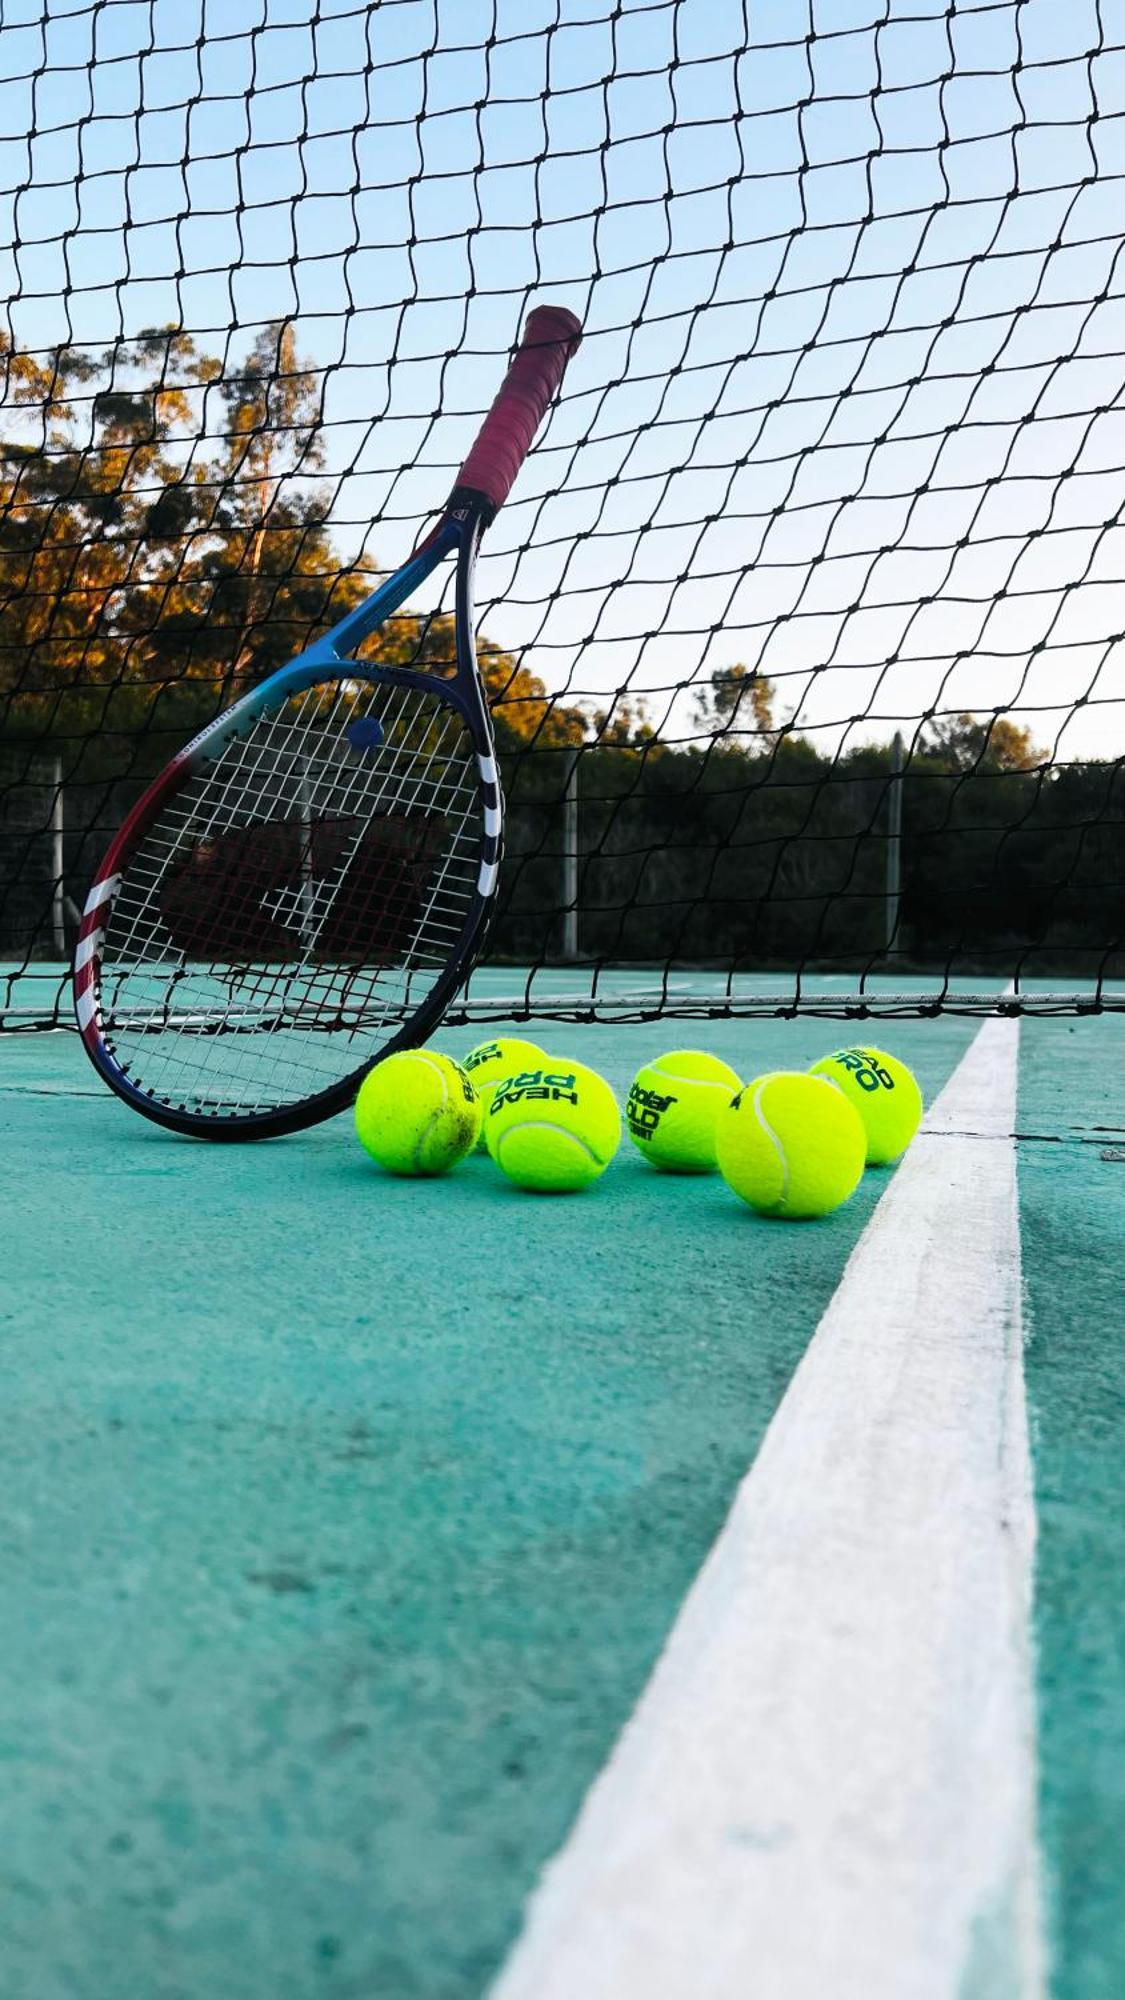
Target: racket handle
550,336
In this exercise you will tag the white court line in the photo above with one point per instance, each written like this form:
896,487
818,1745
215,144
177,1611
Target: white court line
827,1791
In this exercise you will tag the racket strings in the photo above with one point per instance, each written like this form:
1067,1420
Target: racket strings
239,786
271,999
295,900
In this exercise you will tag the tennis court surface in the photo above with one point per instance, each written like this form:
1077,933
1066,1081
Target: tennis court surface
371,1547
599,522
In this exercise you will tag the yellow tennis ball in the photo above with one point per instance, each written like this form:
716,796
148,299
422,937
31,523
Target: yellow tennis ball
554,1126
883,1091
790,1144
417,1113
673,1108
490,1062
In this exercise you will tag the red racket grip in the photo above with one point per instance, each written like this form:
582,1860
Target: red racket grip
550,336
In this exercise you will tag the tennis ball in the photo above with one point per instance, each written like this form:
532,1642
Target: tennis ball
417,1113
490,1062
554,1126
885,1094
673,1107
791,1145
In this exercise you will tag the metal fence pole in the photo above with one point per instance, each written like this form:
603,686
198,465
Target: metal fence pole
570,858
58,861
894,844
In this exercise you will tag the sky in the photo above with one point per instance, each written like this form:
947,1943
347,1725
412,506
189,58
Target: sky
850,407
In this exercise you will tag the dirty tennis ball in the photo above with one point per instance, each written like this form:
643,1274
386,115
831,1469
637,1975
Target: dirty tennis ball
417,1113
490,1062
554,1126
673,1107
791,1145
883,1091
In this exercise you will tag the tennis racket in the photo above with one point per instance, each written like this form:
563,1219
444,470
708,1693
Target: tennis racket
305,887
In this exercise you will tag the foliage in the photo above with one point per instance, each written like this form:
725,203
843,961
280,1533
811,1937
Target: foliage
736,702
966,743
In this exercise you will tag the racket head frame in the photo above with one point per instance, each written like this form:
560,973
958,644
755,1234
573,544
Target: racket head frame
458,531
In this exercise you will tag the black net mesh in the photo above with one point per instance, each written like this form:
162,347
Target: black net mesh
804,628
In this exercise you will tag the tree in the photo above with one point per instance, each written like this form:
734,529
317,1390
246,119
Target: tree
144,579
625,726
523,713
965,743
147,580
86,503
270,529
737,701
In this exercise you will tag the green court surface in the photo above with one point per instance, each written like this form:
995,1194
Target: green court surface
346,1517
1072,1187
